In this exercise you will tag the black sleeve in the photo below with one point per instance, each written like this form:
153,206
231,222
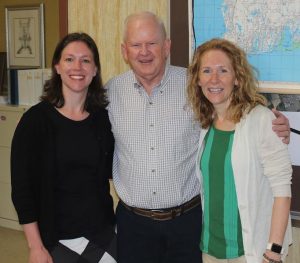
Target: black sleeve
23,160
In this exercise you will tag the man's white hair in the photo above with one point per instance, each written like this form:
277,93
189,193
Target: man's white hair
144,15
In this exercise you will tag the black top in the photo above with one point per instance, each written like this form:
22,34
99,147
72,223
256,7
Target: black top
60,170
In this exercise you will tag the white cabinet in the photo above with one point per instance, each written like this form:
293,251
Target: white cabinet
9,117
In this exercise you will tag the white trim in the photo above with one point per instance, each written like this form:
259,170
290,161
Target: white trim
191,30
279,87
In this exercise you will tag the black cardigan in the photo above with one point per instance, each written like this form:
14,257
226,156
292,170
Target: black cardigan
33,170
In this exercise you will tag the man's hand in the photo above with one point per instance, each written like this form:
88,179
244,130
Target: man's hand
281,126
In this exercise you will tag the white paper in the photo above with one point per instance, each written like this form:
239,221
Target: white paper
294,146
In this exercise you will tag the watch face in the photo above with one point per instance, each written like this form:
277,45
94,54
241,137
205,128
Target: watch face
276,248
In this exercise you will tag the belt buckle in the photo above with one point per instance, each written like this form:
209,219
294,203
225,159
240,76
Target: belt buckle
157,210
154,212
175,212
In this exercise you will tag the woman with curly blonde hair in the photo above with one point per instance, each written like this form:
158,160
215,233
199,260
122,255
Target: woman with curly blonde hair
244,168
245,96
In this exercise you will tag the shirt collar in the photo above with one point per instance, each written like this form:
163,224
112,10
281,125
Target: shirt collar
160,86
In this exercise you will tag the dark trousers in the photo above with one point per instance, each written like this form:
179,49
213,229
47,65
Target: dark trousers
144,240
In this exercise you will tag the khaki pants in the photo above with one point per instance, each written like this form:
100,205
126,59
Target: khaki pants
210,259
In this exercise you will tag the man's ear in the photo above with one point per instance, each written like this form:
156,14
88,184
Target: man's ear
124,52
167,45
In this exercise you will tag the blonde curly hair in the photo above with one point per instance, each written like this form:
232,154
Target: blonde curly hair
245,95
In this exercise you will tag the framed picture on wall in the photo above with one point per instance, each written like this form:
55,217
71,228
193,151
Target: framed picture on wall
25,36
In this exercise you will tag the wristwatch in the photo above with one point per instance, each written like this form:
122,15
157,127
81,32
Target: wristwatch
275,248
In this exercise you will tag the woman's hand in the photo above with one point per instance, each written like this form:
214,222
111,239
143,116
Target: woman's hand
39,255
272,255
37,252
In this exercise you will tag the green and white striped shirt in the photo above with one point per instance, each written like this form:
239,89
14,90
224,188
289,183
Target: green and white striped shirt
221,232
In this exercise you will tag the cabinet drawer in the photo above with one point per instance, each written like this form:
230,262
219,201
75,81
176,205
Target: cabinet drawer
7,209
8,123
4,165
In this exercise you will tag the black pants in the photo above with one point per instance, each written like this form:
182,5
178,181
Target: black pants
144,240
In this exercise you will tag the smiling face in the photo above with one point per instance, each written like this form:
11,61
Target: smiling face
76,68
217,78
146,49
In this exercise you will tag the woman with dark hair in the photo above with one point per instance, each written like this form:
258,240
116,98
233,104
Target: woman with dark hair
243,166
61,162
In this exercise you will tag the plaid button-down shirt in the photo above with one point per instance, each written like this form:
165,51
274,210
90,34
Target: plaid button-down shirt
156,141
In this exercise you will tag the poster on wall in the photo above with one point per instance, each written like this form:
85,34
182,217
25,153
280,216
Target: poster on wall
269,33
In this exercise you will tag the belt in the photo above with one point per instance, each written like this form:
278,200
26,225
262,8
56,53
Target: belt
165,214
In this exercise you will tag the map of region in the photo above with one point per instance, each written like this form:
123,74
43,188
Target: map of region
268,30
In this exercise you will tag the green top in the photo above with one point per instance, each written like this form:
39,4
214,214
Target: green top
221,231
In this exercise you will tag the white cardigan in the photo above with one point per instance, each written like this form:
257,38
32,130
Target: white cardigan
262,169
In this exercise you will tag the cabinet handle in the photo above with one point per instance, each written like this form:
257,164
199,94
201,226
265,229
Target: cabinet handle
3,118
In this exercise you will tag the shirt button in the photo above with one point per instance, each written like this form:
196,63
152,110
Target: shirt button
153,170
154,193
152,148
150,102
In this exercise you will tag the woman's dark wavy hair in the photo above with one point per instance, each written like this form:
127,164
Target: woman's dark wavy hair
52,92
